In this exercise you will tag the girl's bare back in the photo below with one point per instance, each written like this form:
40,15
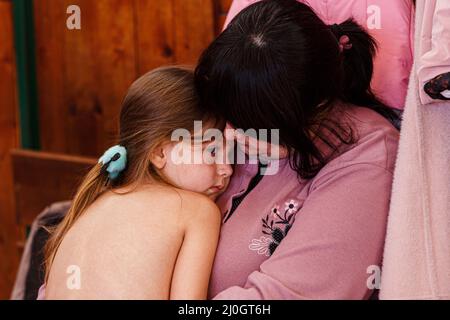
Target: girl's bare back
138,246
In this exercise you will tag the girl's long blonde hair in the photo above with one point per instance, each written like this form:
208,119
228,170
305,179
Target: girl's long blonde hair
156,104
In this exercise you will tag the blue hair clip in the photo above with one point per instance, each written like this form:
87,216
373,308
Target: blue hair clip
114,161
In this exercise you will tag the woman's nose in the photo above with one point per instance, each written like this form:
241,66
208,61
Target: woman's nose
224,170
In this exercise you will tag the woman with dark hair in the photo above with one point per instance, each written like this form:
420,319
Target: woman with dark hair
316,227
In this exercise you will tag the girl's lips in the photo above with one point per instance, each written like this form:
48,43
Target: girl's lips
216,189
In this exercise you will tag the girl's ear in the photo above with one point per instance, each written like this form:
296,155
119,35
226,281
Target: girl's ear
159,157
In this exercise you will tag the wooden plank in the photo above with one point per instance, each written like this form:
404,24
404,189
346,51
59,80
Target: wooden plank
222,8
220,23
41,179
155,43
83,74
194,29
9,256
50,73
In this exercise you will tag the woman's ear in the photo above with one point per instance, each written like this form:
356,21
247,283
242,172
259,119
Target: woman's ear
159,157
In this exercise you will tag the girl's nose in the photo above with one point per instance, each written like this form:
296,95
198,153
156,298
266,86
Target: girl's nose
224,170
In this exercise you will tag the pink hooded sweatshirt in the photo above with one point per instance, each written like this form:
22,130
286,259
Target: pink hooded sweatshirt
320,238
390,22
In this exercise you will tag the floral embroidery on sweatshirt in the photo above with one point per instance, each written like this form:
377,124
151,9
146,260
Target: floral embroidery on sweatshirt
275,226
261,245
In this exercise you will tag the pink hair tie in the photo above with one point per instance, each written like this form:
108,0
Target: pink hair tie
344,43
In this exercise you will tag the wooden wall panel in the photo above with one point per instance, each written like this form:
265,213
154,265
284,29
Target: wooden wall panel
194,29
83,74
49,35
9,256
155,39
222,8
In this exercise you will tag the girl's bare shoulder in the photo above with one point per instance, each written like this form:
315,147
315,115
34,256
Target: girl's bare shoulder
144,204
188,205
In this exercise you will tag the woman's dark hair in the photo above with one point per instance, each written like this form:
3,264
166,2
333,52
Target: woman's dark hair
278,66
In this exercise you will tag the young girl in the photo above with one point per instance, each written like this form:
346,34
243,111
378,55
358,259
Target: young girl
142,226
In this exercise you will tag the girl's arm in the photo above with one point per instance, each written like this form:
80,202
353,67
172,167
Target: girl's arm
194,263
